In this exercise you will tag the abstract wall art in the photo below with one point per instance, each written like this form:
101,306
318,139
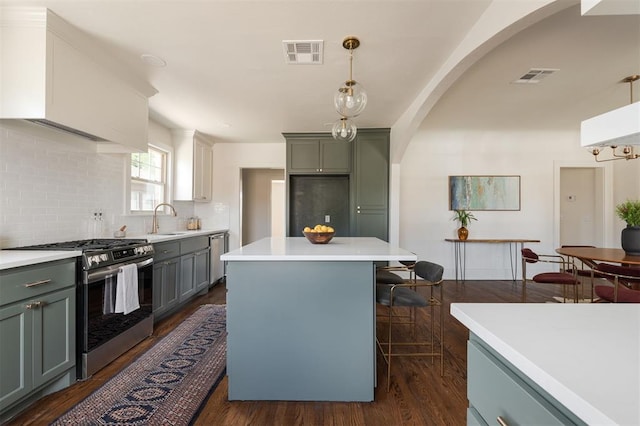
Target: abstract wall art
484,192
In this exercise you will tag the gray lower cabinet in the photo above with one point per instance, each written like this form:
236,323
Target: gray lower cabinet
187,283
181,270
500,393
194,266
166,278
201,269
37,330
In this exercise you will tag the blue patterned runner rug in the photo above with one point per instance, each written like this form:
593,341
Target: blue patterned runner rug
167,384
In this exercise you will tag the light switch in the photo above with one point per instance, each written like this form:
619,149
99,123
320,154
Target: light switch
327,218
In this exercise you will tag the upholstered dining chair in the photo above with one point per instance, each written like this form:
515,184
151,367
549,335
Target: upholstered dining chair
561,277
623,278
406,295
585,268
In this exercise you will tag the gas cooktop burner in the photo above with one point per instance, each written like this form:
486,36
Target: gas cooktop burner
85,245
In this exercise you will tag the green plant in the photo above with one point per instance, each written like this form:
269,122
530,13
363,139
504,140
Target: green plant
629,211
464,217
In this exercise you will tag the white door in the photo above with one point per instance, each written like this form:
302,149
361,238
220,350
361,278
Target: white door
581,206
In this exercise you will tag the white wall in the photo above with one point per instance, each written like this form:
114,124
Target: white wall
51,187
432,156
228,160
52,183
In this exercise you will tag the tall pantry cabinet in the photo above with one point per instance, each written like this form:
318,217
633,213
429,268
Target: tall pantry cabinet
370,184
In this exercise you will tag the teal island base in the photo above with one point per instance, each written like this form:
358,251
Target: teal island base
301,330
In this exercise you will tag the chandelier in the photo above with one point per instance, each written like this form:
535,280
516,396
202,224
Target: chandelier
619,129
350,99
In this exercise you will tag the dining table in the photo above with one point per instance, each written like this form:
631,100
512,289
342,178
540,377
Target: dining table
600,254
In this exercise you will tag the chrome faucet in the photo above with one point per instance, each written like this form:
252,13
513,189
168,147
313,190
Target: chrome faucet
154,224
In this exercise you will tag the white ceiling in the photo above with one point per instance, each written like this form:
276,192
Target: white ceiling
226,73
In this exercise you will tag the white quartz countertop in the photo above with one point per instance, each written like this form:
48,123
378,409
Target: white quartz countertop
176,235
16,258
587,356
338,249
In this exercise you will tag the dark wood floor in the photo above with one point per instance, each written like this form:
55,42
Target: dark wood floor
418,395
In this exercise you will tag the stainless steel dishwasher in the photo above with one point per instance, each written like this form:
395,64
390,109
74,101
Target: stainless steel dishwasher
219,243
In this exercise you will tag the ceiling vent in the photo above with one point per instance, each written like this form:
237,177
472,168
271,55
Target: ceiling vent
535,75
303,52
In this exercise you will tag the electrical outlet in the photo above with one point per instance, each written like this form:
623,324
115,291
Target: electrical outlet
327,218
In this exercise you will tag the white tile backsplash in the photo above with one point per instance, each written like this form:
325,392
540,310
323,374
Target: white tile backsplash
50,186
50,189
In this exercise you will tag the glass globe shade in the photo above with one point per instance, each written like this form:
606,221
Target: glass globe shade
350,100
344,130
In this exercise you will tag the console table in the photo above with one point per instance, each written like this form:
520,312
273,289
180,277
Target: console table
461,253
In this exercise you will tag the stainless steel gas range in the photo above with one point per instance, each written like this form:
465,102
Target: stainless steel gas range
102,334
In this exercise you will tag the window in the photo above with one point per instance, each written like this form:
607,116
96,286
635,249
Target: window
148,179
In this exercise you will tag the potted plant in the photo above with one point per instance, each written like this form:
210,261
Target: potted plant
464,217
629,211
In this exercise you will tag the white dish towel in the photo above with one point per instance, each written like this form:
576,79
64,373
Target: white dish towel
127,289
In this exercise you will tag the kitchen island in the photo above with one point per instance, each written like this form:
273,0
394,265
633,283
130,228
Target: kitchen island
552,363
301,318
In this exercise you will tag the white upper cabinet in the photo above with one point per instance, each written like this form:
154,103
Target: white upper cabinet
193,166
46,76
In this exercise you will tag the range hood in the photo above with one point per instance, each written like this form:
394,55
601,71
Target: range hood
63,128
52,75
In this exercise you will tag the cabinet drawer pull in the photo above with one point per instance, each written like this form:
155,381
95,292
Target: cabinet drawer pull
34,305
501,421
166,251
37,283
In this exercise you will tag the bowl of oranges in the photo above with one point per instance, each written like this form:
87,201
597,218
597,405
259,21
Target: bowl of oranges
319,234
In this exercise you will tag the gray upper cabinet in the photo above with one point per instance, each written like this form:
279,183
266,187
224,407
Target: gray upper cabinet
364,163
317,154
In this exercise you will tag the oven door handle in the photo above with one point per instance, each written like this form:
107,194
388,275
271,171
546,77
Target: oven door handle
113,270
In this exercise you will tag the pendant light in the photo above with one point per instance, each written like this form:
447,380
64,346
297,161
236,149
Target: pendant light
344,130
350,99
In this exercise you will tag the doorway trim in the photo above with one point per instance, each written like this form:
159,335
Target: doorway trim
604,180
